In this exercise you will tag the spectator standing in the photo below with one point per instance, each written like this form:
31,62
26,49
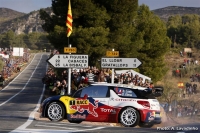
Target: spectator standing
177,72
101,76
181,53
151,85
83,72
90,76
56,89
196,62
64,75
96,75
63,87
1,81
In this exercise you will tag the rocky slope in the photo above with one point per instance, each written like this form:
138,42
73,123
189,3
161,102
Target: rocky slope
9,14
24,23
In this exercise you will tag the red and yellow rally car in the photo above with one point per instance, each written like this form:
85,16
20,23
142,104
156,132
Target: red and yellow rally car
116,103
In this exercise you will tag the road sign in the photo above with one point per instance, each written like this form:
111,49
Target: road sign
70,49
120,62
69,61
112,53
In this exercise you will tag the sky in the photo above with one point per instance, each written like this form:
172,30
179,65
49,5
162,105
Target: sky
27,6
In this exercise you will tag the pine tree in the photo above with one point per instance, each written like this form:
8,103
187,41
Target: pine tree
152,43
100,25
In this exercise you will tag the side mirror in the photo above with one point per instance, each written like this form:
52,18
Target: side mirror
157,91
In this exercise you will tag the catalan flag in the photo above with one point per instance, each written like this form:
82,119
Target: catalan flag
69,20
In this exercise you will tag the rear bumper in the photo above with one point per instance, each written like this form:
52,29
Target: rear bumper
157,121
150,116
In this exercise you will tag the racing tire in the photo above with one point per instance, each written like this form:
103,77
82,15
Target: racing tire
75,121
145,125
55,111
129,117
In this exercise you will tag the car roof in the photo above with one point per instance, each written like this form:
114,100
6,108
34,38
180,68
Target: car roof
118,85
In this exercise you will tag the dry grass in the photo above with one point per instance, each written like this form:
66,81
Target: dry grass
170,83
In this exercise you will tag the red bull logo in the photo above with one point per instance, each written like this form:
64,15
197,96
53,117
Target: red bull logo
81,105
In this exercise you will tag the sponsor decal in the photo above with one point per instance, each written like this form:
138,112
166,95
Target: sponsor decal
78,116
118,91
79,102
82,102
124,99
152,116
108,110
80,105
112,99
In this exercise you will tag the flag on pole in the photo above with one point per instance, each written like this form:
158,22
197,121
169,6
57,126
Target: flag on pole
69,20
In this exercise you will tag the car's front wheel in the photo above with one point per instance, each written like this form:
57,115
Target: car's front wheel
129,117
55,111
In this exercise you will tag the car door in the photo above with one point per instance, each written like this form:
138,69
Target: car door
77,106
98,102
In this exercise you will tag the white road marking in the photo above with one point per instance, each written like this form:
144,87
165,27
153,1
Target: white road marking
51,130
31,116
61,124
55,126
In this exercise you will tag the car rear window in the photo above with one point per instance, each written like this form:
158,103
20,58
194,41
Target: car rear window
124,92
133,93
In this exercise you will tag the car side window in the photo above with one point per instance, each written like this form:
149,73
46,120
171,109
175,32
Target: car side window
95,91
124,92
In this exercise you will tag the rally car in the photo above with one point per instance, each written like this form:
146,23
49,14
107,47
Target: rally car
116,103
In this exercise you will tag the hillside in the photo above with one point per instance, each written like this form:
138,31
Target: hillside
165,13
23,23
9,14
26,23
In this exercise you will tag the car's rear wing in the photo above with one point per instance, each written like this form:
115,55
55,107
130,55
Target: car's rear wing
157,91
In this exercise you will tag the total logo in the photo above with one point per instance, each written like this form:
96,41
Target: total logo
108,110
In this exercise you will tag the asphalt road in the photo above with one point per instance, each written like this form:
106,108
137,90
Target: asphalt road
65,127
20,100
21,96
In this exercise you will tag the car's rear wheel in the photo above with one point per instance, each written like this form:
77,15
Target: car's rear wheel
56,111
129,117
